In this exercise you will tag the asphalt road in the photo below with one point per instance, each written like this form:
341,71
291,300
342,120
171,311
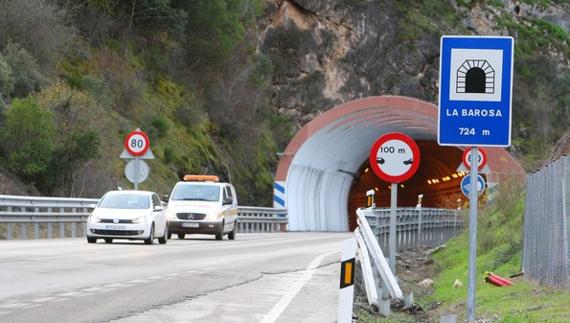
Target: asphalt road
277,277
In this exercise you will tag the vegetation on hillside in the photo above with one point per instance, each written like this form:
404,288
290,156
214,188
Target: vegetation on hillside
77,76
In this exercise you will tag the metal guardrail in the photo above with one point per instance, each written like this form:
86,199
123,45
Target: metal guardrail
49,217
415,226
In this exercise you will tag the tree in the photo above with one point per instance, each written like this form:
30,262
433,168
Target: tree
25,69
28,139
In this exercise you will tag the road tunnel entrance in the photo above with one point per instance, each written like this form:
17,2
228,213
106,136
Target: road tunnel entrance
322,178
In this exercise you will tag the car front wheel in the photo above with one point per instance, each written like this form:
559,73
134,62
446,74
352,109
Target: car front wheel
232,234
164,238
91,240
150,238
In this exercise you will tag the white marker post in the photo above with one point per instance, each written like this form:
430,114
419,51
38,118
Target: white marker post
346,293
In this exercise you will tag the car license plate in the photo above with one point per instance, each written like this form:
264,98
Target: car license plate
114,227
191,225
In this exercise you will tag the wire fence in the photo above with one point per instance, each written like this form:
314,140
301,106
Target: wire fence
546,230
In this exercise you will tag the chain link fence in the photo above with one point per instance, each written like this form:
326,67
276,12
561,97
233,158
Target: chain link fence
545,249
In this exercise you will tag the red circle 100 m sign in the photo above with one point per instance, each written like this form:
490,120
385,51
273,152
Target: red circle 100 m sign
395,157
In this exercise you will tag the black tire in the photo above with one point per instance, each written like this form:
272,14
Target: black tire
164,238
150,239
91,240
169,235
181,236
220,235
108,240
232,234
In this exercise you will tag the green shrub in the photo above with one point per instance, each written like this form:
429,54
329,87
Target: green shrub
28,139
25,69
161,125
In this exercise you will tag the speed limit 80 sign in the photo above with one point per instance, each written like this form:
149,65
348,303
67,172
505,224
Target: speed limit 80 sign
137,143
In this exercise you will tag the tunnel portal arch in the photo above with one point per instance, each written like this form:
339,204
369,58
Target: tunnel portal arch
323,172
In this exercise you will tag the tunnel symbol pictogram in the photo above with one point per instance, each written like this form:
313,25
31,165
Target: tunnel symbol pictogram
475,76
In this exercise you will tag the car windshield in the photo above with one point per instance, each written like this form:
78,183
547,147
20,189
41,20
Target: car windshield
196,192
125,201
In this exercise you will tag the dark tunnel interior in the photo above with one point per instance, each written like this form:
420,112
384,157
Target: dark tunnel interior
437,179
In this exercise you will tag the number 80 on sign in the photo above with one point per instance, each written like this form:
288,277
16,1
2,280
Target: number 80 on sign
137,143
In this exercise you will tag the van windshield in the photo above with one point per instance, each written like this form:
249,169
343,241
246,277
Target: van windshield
196,192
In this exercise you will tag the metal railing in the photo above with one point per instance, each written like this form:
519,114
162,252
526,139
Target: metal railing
415,226
547,211
23,217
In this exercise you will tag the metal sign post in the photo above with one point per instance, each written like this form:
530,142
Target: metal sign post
393,221
137,173
473,201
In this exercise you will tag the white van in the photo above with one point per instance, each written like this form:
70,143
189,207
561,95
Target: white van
202,205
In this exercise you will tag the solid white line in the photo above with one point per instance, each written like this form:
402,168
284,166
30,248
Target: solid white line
4,313
276,311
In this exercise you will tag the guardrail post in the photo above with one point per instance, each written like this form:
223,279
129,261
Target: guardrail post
62,230
420,211
9,229
23,231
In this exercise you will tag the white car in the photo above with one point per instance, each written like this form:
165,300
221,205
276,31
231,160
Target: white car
132,215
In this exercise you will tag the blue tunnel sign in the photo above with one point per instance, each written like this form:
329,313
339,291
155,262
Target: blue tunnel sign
475,92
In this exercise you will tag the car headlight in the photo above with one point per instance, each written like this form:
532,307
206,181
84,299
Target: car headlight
95,219
140,219
213,216
171,215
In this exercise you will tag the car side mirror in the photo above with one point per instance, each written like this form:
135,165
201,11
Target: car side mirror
165,198
158,208
91,207
227,201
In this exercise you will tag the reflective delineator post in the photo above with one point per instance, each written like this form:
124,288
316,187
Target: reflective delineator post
473,204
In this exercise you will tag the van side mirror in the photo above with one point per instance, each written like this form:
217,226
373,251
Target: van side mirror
158,208
227,201
91,207
165,198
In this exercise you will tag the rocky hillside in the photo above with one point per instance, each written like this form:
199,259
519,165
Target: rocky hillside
221,86
329,52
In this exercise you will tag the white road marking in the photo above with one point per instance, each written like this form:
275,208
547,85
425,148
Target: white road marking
43,299
4,312
173,274
276,311
13,305
117,285
69,294
60,300
135,281
93,289
155,277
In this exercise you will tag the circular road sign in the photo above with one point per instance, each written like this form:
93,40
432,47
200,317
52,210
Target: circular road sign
466,185
394,157
481,158
137,143
131,171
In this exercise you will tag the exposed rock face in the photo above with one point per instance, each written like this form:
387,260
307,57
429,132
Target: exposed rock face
326,52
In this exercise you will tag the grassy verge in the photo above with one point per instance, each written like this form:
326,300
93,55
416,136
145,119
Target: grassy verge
499,250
